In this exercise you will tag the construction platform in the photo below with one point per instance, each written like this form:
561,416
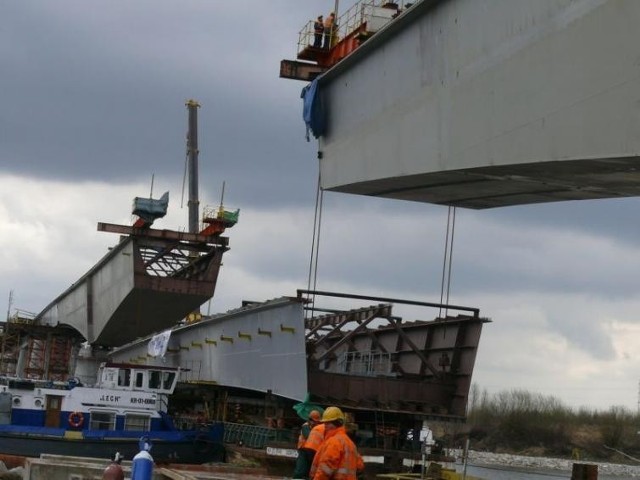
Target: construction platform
55,467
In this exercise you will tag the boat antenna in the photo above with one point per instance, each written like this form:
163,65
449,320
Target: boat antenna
151,191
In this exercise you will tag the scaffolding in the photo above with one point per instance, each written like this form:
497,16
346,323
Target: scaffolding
36,357
10,339
33,351
9,351
60,349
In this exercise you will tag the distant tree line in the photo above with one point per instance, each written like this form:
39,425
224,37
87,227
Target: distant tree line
519,421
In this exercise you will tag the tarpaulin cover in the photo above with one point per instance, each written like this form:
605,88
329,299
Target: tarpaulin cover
230,218
150,209
303,409
313,109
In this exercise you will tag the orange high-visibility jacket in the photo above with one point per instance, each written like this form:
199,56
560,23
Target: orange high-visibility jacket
315,439
329,22
337,459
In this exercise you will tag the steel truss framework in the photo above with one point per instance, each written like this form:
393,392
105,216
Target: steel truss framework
148,282
369,359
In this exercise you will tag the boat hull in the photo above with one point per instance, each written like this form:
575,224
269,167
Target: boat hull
196,451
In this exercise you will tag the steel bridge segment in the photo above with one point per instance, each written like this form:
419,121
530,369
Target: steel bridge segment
148,282
421,367
368,358
484,104
258,347
418,367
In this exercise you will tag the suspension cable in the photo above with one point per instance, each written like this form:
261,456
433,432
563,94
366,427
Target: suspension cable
453,231
448,259
315,270
313,240
315,246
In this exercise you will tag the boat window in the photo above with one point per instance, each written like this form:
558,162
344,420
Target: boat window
124,377
167,380
137,422
154,379
139,379
103,421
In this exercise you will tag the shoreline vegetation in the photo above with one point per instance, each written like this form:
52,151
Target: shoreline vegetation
523,429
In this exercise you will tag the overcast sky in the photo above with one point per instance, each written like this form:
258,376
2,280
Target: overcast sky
92,106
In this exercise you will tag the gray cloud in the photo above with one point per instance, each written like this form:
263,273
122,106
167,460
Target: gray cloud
100,91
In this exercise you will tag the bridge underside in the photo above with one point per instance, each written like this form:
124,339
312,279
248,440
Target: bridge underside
488,104
501,186
145,311
148,282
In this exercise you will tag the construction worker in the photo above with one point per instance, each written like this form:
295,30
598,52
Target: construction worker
329,25
310,447
318,30
337,458
303,462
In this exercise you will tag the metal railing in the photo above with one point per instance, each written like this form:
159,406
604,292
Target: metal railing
370,363
254,436
348,22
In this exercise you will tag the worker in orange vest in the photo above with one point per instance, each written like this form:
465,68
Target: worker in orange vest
337,458
309,449
329,26
305,457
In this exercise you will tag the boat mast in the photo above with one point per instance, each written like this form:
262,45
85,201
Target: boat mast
192,152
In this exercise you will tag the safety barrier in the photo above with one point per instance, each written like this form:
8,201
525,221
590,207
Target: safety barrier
349,21
254,436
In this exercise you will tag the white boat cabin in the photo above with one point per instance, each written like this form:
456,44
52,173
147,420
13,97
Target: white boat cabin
125,397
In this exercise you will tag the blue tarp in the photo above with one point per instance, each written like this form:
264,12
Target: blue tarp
150,209
313,110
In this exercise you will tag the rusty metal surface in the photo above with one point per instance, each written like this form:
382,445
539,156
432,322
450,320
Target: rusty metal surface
161,234
368,358
300,70
149,281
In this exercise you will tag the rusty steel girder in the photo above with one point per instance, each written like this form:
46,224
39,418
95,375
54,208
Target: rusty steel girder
420,367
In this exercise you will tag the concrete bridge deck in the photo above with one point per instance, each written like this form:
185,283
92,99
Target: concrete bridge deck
148,282
489,103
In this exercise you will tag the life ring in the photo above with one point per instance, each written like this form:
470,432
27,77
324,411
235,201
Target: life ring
76,419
